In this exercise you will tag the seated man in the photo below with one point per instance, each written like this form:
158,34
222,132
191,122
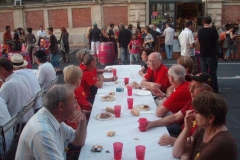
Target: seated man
180,95
199,83
46,72
19,65
46,136
16,90
5,117
7,38
156,76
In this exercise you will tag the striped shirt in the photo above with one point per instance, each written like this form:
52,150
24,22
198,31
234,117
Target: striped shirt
44,138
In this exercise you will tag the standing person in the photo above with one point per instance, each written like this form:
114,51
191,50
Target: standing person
155,28
154,35
148,39
30,42
64,44
208,38
88,37
187,43
169,35
16,39
111,35
134,47
130,27
124,38
41,35
104,37
230,38
53,47
95,36
21,36
7,38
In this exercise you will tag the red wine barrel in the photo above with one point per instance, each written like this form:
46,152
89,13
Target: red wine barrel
106,53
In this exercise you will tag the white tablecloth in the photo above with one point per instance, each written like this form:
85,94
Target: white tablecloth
126,127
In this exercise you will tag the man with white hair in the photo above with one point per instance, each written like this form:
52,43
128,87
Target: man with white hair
180,95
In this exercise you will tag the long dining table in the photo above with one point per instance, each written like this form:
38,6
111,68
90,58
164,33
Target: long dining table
125,127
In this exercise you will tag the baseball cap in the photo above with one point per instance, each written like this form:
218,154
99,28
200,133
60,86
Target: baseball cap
94,24
40,54
201,77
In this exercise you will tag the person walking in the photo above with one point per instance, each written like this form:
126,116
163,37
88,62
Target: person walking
64,45
30,40
169,35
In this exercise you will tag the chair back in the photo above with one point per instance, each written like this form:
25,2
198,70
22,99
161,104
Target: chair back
54,81
29,106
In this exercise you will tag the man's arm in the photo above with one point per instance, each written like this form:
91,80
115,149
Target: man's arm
161,111
99,83
149,85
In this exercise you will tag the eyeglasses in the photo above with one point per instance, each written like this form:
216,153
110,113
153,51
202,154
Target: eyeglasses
190,87
152,61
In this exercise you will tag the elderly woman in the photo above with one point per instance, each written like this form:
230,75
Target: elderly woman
212,139
72,76
64,45
91,81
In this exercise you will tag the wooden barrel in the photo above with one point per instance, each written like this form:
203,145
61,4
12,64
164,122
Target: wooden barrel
106,53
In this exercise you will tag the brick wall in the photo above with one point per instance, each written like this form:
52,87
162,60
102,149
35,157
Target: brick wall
230,13
115,15
81,17
58,18
34,19
6,20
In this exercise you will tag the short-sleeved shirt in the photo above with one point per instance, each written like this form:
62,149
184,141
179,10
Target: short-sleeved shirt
159,77
81,97
41,33
134,46
186,39
147,38
177,100
207,38
169,35
89,79
221,146
43,137
45,74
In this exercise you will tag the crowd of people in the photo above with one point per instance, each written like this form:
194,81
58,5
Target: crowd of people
194,115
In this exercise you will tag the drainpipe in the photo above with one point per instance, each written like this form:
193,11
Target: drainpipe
147,14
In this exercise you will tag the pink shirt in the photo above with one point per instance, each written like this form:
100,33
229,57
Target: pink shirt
134,44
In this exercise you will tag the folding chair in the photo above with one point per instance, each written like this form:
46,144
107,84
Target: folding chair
11,124
54,81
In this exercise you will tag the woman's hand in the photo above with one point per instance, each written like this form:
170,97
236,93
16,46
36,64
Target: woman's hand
166,140
188,120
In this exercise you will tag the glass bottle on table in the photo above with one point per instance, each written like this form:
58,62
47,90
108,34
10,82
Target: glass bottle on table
119,91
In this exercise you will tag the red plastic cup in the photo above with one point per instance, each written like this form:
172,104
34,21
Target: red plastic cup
142,124
117,111
126,81
114,71
130,103
129,90
140,152
117,148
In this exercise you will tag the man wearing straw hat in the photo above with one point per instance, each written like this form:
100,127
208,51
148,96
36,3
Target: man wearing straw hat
19,64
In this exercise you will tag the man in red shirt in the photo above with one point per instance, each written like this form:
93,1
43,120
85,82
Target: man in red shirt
198,83
180,95
7,38
156,76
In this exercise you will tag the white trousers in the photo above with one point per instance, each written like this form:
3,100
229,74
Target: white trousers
95,47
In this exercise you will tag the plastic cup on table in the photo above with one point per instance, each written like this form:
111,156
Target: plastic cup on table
129,90
142,124
140,152
117,111
126,81
130,103
117,148
114,71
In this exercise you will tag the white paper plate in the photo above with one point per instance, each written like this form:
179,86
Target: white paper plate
109,83
108,98
110,116
140,107
142,92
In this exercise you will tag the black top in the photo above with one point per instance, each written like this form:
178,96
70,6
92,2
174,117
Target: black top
53,44
154,34
145,67
208,42
124,37
16,37
110,34
95,34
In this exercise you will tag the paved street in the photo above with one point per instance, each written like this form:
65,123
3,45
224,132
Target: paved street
229,84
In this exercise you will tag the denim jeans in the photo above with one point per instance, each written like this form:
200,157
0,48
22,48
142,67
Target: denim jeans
54,60
174,130
125,56
209,65
169,50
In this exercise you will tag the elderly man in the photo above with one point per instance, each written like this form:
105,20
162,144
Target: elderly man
198,83
180,96
156,76
16,90
19,65
46,72
46,136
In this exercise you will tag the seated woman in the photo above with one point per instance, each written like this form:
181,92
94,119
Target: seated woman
73,75
91,81
212,139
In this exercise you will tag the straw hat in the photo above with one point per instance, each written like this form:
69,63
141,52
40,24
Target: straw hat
18,61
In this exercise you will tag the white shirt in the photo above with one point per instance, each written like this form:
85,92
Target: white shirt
158,30
41,33
169,35
17,93
186,38
32,79
45,74
4,117
44,138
